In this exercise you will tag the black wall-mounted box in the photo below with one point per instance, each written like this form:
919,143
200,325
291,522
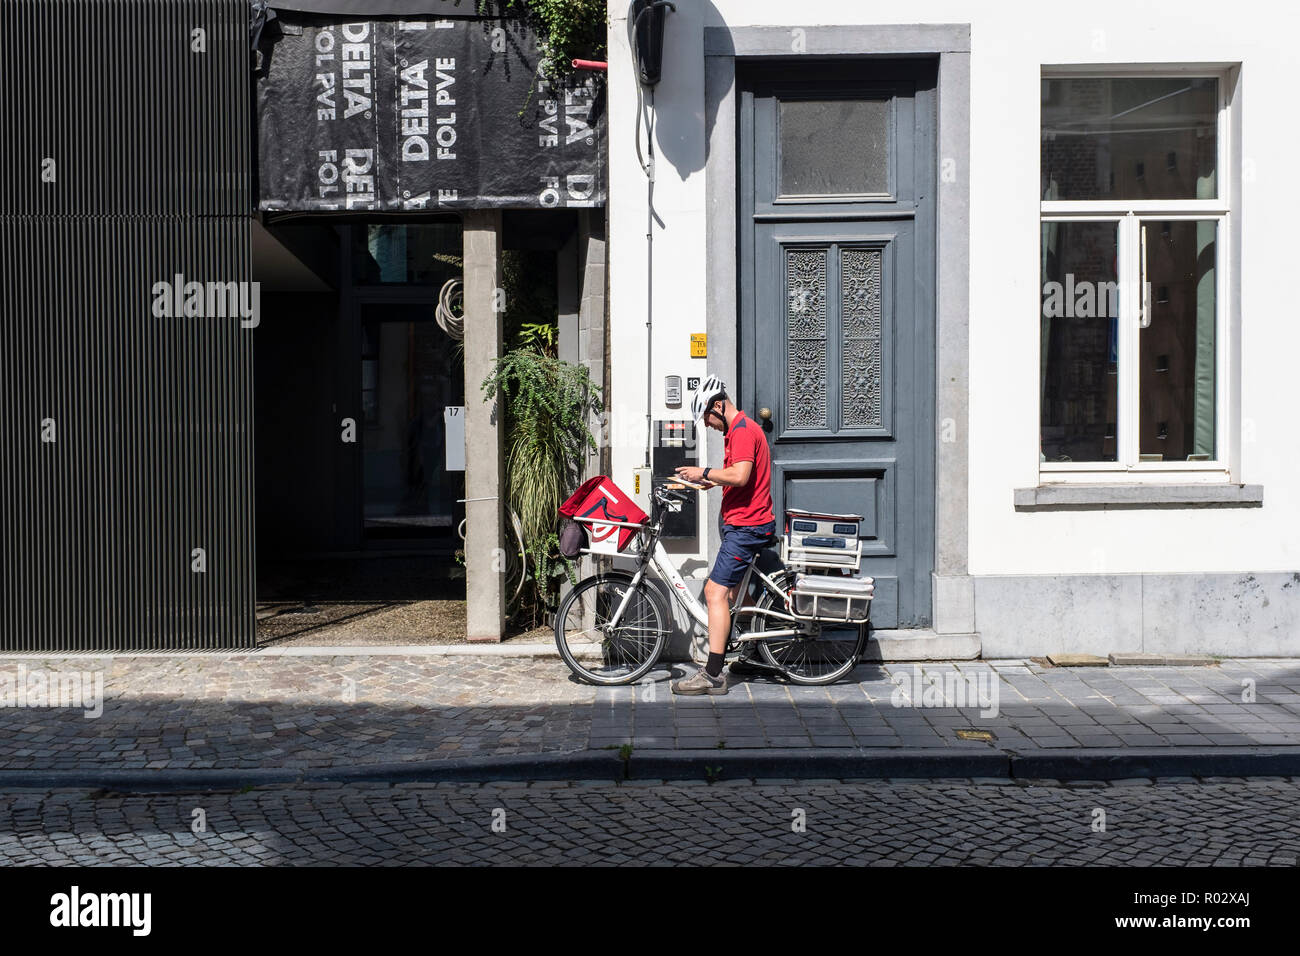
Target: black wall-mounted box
675,445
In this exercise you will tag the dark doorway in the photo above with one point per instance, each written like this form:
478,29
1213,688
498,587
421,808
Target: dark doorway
412,386
360,486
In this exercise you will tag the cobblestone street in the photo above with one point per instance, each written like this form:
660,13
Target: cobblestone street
889,823
209,711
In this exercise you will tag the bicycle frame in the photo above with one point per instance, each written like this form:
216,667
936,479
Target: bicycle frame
653,553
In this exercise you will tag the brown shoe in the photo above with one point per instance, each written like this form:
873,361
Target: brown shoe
702,683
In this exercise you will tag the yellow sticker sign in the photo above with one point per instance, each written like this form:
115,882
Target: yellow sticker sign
699,345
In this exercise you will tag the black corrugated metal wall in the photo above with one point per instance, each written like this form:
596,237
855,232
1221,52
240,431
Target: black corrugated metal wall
126,442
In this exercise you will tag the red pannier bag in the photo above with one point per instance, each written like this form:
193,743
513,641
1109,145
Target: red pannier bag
600,498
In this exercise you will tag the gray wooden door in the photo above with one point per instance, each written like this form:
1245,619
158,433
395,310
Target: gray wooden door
837,351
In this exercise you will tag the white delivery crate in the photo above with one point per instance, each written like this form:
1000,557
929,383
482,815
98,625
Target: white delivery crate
828,597
819,539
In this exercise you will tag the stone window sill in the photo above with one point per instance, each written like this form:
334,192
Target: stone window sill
1101,497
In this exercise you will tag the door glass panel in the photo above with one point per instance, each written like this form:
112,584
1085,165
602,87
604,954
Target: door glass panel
1133,138
1177,355
410,373
806,337
399,254
861,352
833,147
1079,341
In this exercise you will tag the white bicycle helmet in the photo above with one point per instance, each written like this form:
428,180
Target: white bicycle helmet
710,390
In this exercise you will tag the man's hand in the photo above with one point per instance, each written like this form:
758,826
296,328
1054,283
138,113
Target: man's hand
695,475
733,476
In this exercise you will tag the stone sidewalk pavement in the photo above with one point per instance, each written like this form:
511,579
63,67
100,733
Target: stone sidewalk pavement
239,712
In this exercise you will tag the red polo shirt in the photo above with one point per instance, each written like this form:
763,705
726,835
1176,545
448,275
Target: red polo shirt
751,504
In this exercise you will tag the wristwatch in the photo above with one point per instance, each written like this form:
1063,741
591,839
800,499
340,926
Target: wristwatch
705,475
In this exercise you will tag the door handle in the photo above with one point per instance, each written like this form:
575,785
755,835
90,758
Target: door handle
765,414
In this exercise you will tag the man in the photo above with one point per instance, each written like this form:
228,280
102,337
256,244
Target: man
747,519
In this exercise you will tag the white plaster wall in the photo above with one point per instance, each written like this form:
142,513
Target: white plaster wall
1010,42
679,260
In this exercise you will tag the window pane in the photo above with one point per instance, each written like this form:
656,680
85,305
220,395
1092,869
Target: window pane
1079,326
419,254
1141,138
1176,380
834,147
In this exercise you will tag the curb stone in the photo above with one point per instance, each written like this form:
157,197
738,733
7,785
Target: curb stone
503,649
646,765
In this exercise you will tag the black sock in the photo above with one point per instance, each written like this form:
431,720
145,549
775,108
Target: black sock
714,667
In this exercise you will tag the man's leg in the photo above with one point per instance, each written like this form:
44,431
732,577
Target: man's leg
718,600
709,679
717,593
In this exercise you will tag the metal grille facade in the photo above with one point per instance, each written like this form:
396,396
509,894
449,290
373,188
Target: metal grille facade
126,472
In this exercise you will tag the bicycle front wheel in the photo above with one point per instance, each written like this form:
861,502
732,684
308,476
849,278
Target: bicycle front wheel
601,653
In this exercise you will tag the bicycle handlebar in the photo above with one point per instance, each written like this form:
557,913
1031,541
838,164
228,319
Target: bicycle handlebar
669,490
661,495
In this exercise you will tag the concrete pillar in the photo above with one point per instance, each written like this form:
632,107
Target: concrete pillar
593,315
484,430
566,295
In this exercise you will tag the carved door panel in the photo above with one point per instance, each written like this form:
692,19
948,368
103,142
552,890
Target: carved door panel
837,325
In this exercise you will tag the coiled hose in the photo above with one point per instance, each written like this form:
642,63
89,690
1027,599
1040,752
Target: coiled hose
450,297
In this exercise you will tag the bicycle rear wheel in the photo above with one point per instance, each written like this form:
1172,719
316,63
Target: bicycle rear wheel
599,654
821,656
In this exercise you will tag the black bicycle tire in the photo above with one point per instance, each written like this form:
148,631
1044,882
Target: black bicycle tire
767,601
596,580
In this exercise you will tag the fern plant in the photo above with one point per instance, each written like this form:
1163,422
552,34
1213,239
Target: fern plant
538,336
547,404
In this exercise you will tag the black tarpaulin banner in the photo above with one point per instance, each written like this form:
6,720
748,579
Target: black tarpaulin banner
432,115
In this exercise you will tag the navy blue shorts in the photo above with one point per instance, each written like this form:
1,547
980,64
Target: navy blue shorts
739,544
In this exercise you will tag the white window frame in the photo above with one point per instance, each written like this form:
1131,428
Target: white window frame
1129,215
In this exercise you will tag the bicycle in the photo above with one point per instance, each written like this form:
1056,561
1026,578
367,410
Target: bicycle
612,627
